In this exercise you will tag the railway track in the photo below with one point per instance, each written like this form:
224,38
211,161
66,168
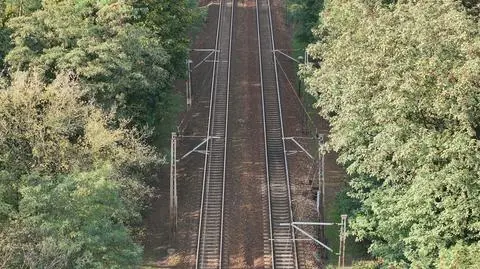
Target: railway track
282,245
210,228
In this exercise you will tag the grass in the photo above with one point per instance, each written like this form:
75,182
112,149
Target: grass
354,251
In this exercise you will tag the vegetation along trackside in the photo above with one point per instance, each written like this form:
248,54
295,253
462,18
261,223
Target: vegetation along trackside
86,98
399,83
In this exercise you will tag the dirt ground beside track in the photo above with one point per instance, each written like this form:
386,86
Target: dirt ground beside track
246,230
244,222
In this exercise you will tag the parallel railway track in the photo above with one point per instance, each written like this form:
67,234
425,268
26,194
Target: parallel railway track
210,231
283,246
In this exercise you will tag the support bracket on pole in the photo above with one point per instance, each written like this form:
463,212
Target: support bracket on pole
212,51
286,55
188,83
300,146
195,149
173,176
321,164
343,235
305,57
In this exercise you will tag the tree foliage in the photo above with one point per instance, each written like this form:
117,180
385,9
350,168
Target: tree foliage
172,21
85,87
127,53
71,221
71,184
473,7
399,84
122,63
460,256
305,14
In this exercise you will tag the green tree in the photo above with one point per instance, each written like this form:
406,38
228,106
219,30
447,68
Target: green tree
15,8
71,221
73,180
305,14
399,85
172,22
460,256
87,81
4,47
120,61
473,7
4,36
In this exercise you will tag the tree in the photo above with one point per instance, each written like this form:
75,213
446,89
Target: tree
460,256
399,85
73,180
4,36
305,14
473,7
15,8
89,83
120,61
71,221
4,46
172,22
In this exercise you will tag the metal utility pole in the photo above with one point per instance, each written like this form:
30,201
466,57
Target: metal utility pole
343,236
300,58
173,185
173,176
321,166
189,84
321,173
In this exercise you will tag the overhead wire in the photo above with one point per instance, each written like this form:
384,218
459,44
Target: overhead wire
295,93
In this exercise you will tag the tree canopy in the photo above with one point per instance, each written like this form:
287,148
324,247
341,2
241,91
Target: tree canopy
121,62
399,84
127,53
71,184
86,94
305,16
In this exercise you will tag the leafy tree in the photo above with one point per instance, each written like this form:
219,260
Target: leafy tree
473,7
399,85
15,8
460,256
172,21
74,167
72,179
4,46
72,221
4,35
305,14
120,61
51,128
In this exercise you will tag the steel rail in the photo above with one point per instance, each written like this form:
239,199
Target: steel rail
210,229
283,132
264,132
212,89
283,246
226,126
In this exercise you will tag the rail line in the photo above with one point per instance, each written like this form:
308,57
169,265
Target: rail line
210,228
283,247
